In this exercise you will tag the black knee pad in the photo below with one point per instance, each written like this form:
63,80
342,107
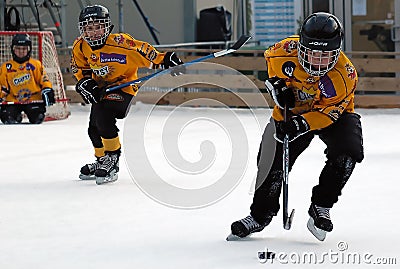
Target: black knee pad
272,184
342,166
95,137
333,178
10,115
36,118
35,113
11,119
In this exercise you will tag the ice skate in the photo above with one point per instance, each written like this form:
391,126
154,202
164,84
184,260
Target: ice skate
108,170
320,222
245,227
87,171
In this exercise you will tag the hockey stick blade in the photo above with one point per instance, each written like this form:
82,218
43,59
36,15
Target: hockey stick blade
241,41
288,221
238,44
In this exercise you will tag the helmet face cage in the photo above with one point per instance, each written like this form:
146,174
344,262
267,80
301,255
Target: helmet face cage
22,40
319,47
95,25
317,62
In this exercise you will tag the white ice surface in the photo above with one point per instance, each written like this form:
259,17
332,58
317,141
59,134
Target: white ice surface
51,219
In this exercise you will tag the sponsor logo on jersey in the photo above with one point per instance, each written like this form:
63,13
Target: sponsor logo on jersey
306,94
21,79
112,57
93,57
100,71
351,71
23,95
21,67
327,88
130,43
290,46
114,97
9,68
288,68
30,66
275,46
119,39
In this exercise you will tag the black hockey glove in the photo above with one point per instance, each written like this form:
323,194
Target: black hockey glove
294,127
3,93
281,94
89,90
48,96
172,61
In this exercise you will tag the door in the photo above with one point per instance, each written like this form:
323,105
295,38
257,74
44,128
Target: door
373,23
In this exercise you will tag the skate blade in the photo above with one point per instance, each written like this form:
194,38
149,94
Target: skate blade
318,233
104,180
232,237
86,177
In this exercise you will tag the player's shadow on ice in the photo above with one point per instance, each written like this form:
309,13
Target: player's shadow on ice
278,241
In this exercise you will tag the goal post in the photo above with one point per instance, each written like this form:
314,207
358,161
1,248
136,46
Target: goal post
43,49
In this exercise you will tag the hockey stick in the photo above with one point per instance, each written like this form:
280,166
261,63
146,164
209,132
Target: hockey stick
238,44
287,220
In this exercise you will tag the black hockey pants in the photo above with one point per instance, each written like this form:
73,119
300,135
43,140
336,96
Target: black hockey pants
104,115
344,143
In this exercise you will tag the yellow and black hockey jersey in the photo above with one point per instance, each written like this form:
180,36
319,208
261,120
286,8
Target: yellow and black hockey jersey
24,81
116,62
320,100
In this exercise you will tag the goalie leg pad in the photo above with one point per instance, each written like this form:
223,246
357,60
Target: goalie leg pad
35,113
11,114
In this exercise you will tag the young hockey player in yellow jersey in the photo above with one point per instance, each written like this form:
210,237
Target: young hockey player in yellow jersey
311,76
25,83
101,60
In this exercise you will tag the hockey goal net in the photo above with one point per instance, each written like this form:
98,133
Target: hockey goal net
43,49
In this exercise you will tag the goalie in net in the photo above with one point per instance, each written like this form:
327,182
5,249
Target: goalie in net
41,48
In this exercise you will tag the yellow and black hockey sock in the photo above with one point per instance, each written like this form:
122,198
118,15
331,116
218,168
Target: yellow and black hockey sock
111,145
99,152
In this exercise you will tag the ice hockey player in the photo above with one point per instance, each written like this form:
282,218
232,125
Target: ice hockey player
313,77
101,59
25,86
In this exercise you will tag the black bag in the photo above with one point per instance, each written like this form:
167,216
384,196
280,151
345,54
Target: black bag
9,25
214,24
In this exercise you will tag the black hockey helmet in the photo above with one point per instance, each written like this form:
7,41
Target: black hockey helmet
95,15
320,32
21,40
